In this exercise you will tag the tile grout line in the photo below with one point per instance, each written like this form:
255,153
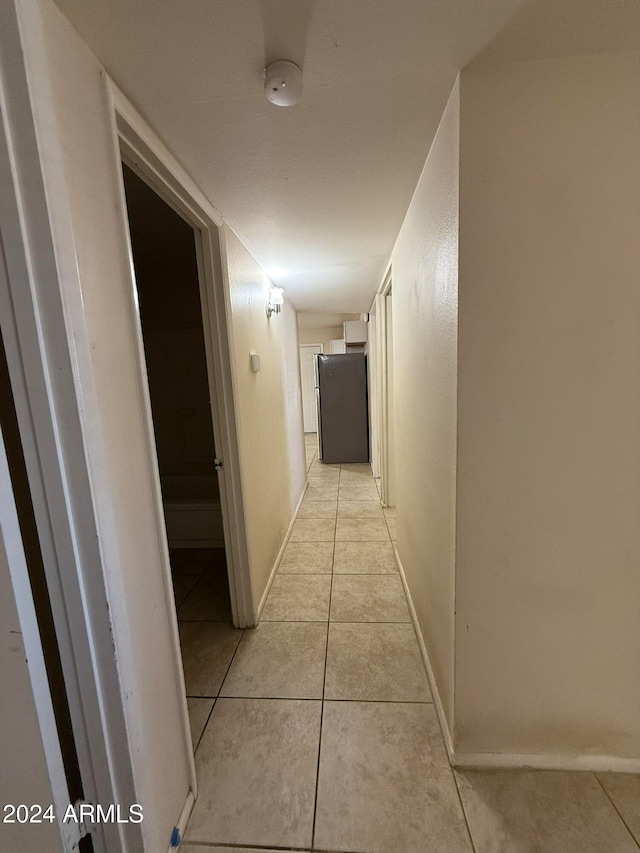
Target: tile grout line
460,800
451,769
386,521
201,578
231,846
204,728
195,584
233,656
227,845
617,810
343,621
215,702
318,699
324,678
217,696
351,574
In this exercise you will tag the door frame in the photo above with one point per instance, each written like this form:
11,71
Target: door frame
137,146
374,390
386,452
42,364
321,345
12,544
37,256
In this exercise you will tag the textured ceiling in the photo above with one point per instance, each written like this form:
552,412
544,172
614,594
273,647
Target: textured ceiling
546,29
318,191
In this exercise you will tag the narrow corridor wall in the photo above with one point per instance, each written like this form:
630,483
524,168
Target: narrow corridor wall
269,410
548,541
425,302
322,336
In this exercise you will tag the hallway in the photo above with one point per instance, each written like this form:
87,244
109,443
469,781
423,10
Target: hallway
317,730
461,181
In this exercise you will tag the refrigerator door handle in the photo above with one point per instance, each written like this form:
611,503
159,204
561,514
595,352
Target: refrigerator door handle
319,419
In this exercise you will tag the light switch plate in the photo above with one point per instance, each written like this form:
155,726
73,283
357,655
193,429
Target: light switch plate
255,361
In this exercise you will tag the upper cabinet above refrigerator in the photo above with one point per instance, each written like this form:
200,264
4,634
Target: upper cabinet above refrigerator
355,332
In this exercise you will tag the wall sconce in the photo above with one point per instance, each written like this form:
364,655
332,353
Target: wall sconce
276,300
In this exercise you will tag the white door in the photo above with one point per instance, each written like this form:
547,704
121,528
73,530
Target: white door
308,376
373,373
389,480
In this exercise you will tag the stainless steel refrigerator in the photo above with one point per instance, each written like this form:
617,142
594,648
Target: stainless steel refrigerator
343,412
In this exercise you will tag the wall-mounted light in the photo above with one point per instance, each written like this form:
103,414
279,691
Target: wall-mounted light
276,300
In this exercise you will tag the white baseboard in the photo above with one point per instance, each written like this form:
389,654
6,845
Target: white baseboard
183,820
285,542
507,761
551,761
437,701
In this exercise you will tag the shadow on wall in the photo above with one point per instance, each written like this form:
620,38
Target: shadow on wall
286,26
546,29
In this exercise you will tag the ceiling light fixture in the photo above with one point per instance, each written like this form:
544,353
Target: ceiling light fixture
283,83
276,301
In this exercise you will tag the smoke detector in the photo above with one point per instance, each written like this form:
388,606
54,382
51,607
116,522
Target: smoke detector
283,83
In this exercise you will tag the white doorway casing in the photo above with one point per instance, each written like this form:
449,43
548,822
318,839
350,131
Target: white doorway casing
146,156
389,419
30,719
382,406
45,337
373,368
308,354
138,146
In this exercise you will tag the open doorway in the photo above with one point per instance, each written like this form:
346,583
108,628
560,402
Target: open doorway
308,354
380,348
389,461
373,356
168,288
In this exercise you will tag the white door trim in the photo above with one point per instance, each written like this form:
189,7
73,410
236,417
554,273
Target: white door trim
11,541
373,347
43,369
136,144
383,403
300,347
145,154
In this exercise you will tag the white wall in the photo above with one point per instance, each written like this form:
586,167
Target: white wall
321,328
269,411
425,300
548,546
321,336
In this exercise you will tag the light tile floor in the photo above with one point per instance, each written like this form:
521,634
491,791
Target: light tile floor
316,730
